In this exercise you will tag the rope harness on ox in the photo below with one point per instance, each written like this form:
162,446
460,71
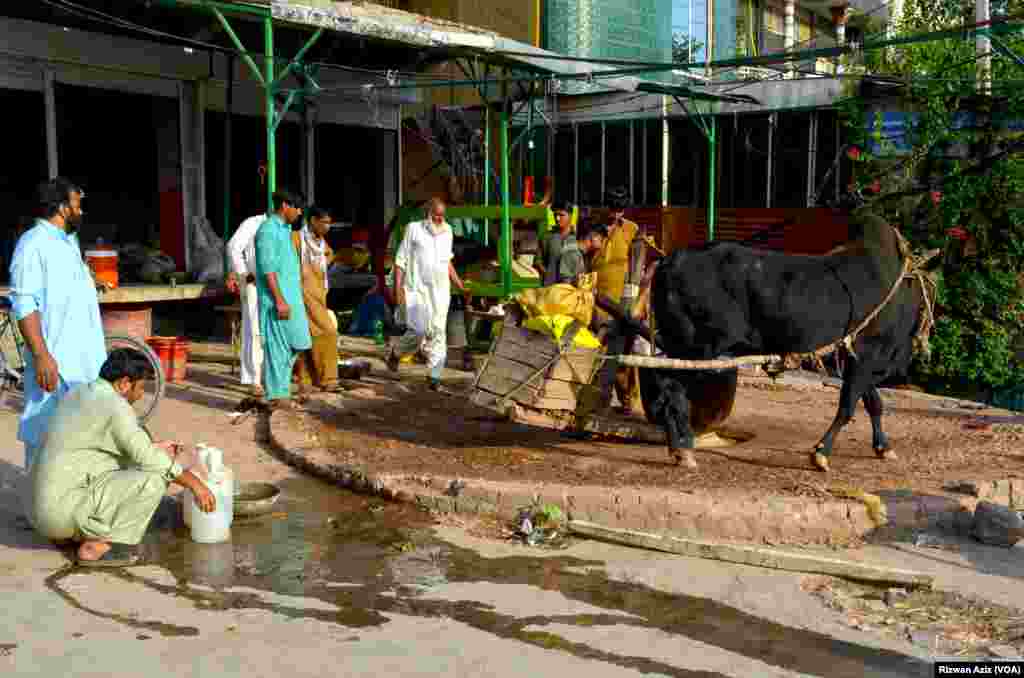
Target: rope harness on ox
912,269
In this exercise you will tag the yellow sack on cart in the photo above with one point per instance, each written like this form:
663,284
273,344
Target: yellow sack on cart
561,299
555,326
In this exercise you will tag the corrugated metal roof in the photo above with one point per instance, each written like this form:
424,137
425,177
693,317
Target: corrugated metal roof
384,23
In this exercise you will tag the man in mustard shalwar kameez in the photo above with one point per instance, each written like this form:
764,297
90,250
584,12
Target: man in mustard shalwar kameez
611,265
318,366
99,478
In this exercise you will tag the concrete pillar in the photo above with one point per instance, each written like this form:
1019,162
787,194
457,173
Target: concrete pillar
772,118
812,158
192,182
632,165
983,45
643,162
891,26
709,53
664,151
50,103
839,16
576,163
399,167
790,35
309,157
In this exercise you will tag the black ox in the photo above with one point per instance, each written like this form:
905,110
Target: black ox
729,300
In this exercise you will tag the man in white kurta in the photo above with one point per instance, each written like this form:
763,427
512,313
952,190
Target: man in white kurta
423,271
242,281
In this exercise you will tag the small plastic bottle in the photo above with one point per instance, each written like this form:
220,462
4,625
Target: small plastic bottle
378,332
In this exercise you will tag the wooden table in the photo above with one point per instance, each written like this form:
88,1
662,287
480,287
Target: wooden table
127,310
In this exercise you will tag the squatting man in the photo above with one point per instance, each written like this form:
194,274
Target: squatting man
99,477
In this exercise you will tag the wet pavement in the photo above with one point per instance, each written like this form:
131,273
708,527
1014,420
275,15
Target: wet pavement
340,560
336,584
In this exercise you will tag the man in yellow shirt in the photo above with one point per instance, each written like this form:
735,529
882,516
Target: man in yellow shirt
611,264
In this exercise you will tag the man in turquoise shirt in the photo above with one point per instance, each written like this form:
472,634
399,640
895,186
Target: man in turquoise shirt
283,323
54,300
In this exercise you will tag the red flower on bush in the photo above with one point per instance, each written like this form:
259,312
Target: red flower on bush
957,232
936,197
853,153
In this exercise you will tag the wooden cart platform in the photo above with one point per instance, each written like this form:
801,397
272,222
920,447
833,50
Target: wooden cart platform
530,369
530,378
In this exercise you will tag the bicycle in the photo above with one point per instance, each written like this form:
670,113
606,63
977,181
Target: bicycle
12,370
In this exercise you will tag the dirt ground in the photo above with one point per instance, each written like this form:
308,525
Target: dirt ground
402,427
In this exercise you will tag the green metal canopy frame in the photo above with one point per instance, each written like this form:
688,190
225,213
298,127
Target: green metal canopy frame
528,76
529,70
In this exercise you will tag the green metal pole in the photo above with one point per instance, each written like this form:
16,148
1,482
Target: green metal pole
268,86
297,61
528,165
238,45
487,155
487,169
505,246
712,152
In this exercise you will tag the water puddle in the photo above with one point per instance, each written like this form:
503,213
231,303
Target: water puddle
350,561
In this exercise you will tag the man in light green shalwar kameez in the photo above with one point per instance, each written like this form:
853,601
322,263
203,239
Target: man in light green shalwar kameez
99,477
284,327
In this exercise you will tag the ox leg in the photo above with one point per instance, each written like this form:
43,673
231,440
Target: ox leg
673,407
879,441
856,383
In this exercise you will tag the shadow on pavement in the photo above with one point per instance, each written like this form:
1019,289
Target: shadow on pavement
15,532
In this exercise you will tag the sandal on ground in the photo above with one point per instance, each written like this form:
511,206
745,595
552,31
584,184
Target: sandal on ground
118,555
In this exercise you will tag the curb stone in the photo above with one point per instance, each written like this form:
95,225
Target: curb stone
736,517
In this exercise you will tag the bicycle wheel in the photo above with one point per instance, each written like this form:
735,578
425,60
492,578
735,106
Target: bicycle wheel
146,406
12,361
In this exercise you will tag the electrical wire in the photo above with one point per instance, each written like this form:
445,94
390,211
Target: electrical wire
99,16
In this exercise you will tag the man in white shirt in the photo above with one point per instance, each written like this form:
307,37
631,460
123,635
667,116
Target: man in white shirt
423,276
242,281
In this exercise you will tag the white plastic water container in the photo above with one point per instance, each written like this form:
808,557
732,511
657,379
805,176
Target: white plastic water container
189,500
213,527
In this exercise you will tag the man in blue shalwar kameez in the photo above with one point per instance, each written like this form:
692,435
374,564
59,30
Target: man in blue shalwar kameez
53,298
283,323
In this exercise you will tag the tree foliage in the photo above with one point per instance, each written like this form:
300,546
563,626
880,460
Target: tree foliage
959,187
685,48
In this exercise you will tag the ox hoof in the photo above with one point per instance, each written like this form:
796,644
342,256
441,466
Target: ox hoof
819,461
684,458
886,454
